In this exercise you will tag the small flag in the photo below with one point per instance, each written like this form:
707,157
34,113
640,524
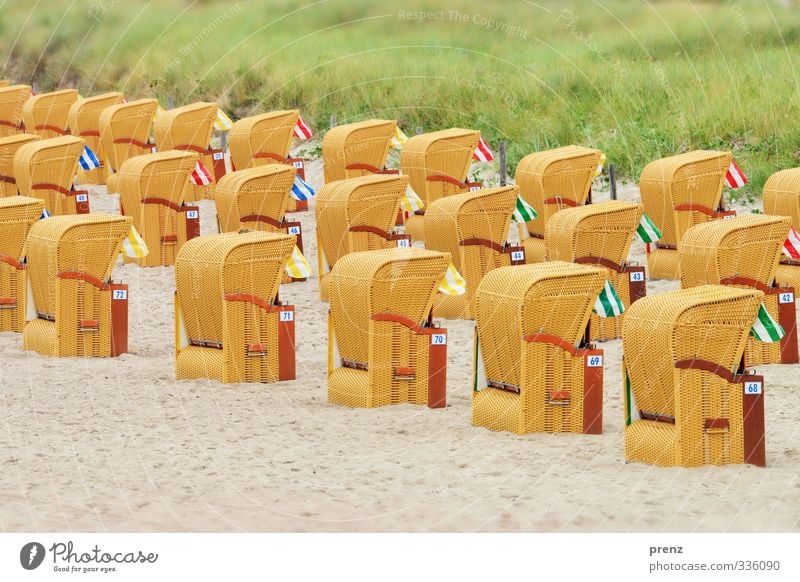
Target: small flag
735,178
399,138
222,122
302,190
200,175
33,92
159,110
134,246
45,214
410,202
523,212
608,303
791,248
297,266
302,130
88,159
599,169
453,283
483,153
765,329
647,230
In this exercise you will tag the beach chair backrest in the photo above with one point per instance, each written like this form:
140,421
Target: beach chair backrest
356,149
125,130
46,115
12,102
255,198
262,139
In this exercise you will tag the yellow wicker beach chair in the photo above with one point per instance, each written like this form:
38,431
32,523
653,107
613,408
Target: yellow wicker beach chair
382,348
686,401
229,325
46,169
46,115
151,189
79,310
437,164
258,199
357,149
12,101
781,197
600,234
8,147
356,214
540,374
549,181
84,121
744,252
472,227
124,133
17,214
189,128
679,192
5,82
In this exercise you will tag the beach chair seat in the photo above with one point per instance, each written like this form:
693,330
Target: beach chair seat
540,374
12,101
78,310
549,181
257,199
382,348
679,192
151,189
600,234
229,325
46,168
189,128
357,149
687,401
83,121
781,197
8,147
744,252
472,227
356,214
17,214
124,133
46,115
437,165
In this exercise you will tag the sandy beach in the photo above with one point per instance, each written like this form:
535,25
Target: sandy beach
118,445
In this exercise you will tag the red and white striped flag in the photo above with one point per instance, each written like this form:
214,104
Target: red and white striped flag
201,176
302,130
791,248
735,178
483,153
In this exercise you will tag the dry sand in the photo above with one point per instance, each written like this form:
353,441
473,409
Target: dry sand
120,445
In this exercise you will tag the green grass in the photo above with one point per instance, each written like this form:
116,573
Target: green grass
639,81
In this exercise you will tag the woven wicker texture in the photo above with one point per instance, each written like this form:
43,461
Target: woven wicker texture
262,139
8,147
370,201
782,198
554,298
399,282
356,149
17,214
12,100
84,246
46,115
468,226
254,199
151,190
125,132
83,121
207,269
709,323
45,169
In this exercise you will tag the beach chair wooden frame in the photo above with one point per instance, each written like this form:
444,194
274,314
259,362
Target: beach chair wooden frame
46,115
357,149
12,102
781,197
124,133
83,121
8,148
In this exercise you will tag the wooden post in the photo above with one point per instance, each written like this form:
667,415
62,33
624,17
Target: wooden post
170,102
333,120
35,87
503,169
612,180
223,141
418,130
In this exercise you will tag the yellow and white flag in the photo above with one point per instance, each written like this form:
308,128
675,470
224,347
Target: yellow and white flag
134,246
399,138
297,266
222,122
599,169
159,110
453,283
410,202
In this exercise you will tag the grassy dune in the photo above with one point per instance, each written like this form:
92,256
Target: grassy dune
638,80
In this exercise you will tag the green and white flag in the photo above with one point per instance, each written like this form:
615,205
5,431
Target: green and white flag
608,303
647,230
523,212
766,329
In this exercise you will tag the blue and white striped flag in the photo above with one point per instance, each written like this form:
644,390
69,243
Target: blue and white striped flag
89,160
45,214
302,190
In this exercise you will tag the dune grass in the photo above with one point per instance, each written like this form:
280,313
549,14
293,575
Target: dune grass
639,80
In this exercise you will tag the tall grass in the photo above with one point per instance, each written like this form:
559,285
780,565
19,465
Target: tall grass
639,80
